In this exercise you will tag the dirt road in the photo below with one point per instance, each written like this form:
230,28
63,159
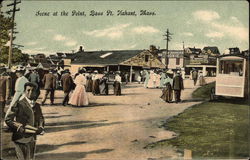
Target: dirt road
112,127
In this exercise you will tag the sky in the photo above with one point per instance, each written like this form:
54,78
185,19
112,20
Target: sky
224,24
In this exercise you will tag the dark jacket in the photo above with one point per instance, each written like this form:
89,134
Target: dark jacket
67,82
22,114
178,83
49,81
194,75
5,88
34,78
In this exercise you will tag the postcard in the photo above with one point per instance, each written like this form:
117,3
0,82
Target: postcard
119,80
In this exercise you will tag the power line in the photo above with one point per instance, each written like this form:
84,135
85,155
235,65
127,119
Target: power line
168,38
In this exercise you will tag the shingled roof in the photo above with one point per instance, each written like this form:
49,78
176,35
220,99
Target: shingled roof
214,50
104,57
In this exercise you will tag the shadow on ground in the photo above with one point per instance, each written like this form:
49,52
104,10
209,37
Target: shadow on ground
9,153
50,113
64,128
57,116
72,123
232,100
192,100
70,155
102,105
46,147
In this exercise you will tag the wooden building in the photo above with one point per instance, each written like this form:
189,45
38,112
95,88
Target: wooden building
126,61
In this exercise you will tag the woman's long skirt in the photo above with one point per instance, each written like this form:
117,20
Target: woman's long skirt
167,94
79,97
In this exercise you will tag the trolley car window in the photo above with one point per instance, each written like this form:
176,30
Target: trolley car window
234,68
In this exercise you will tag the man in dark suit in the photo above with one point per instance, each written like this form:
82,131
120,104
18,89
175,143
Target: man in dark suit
178,86
67,84
35,78
5,89
49,81
194,76
26,120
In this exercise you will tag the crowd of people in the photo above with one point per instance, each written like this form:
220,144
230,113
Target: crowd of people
24,115
171,84
75,87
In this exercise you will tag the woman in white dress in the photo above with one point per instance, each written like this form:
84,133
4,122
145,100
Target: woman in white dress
79,96
151,81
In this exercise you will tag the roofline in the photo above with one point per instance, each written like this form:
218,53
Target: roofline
235,55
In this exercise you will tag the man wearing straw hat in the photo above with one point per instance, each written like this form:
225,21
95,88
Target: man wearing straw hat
26,120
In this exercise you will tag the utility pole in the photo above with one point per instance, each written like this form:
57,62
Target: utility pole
14,10
168,37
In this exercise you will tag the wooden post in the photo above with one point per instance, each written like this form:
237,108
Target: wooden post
204,71
118,67
187,154
131,70
107,68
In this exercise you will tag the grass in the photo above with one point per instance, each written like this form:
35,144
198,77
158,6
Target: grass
204,91
211,130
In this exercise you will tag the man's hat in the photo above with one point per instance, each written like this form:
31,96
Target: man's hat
20,68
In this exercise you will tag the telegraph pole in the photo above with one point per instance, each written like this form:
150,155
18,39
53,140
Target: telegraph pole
14,10
168,37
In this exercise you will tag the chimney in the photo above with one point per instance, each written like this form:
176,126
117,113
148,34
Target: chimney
81,49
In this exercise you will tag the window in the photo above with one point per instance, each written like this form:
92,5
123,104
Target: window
177,61
146,58
231,67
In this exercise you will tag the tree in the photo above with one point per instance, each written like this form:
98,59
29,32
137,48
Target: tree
18,56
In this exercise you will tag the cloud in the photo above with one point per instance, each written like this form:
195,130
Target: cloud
49,30
188,22
37,50
111,32
59,37
71,43
125,47
188,34
205,15
214,35
31,43
145,29
235,29
234,19
240,33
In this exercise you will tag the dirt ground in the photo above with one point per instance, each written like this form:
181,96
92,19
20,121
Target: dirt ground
112,127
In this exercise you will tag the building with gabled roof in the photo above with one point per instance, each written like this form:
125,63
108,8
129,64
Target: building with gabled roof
211,50
190,50
132,61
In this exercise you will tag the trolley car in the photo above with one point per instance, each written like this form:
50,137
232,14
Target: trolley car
231,77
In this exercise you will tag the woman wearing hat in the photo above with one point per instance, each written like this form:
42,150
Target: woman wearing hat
167,91
19,85
79,96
